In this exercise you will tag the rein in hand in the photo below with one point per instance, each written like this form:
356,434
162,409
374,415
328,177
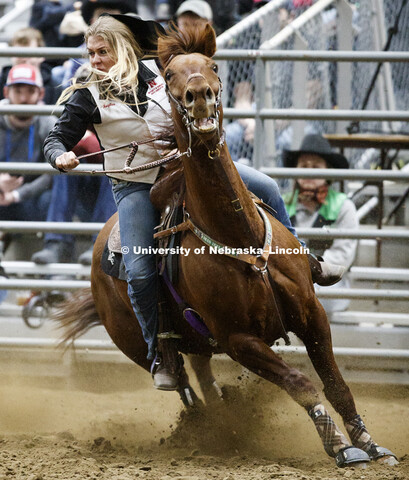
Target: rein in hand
127,168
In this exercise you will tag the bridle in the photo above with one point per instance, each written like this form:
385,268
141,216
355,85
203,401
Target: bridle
187,121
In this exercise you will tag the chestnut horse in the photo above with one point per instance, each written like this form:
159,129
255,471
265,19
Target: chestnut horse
247,300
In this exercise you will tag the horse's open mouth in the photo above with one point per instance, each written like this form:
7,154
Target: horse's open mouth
204,125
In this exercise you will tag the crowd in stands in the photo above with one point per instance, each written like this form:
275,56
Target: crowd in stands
31,81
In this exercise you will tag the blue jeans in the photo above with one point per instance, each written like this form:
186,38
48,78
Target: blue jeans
89,197
137,219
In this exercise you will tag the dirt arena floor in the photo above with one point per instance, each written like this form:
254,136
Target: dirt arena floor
109,423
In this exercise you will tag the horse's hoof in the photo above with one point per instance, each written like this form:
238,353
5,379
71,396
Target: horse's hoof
189,397
219,391
390,460
187,393
382,455
352,456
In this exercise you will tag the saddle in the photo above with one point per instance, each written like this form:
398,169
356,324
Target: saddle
111,261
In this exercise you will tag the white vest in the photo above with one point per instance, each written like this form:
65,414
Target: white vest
121,125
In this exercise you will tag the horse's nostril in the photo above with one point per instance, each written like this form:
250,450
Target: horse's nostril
209,93
189,97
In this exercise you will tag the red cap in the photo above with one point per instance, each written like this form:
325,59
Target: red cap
25,74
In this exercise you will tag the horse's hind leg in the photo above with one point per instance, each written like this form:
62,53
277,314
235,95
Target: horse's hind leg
255,355
317,339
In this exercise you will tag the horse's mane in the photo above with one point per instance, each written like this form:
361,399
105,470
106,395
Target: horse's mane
190,40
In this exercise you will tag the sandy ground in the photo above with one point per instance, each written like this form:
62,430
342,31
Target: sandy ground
105,425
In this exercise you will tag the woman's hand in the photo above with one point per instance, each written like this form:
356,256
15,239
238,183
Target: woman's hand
8,183
7,198
67,161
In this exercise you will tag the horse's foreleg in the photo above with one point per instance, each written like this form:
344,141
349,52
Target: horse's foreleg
255,355
317,339
208,385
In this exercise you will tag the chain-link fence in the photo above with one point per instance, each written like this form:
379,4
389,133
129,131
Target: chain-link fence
363,25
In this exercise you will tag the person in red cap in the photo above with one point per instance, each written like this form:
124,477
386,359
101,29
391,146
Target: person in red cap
21,140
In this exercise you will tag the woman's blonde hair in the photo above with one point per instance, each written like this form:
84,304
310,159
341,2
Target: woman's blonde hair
122,78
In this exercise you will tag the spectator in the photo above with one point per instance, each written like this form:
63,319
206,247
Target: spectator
240,133
313,203
46,16
22,137
194,13
29,37
90,197
223,13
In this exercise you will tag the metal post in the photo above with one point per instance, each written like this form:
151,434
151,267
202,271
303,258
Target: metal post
385,84
299,94
344,76
260,133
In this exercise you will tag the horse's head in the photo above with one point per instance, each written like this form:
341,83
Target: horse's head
193,85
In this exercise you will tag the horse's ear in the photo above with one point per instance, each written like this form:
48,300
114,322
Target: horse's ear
210,43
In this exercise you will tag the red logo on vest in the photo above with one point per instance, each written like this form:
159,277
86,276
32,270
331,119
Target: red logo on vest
152,83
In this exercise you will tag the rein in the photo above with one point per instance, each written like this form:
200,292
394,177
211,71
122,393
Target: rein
127,168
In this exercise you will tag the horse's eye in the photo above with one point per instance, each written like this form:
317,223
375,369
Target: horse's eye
215,68
168,76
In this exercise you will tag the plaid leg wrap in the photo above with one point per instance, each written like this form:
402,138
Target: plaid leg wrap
359,435
332,438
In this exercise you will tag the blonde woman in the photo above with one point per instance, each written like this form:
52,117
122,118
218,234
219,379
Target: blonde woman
124,98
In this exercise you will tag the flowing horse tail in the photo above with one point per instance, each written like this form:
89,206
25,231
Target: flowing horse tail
77,315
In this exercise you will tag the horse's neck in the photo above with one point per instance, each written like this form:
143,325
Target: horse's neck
218,201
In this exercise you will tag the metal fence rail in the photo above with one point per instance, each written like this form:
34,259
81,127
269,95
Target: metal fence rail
235,113
83,344
89,228
21,168
239,54
71,285
21,267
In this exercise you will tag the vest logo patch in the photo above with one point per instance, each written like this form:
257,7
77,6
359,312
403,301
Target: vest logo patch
107,105
154,87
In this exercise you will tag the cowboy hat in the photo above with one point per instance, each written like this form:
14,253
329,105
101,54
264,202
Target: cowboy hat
89,6
317,145
145,32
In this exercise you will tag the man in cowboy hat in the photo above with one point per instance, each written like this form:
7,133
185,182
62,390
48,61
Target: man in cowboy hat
313,203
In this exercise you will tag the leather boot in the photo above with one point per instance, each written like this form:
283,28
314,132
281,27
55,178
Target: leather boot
53,252
324,274
167,364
